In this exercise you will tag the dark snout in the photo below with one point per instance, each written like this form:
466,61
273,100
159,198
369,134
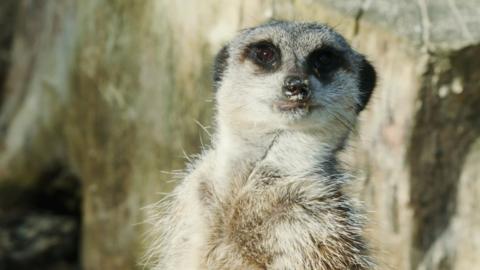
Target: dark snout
296,87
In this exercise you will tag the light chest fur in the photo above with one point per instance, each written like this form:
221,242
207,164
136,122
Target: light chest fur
282,208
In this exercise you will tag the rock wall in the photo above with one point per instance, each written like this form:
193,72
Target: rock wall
112,94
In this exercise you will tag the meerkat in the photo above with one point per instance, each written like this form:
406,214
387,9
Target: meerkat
268,193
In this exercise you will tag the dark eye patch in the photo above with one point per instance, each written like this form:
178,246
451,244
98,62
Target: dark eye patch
324,61
264,54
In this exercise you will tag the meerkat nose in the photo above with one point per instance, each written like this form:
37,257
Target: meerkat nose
295,87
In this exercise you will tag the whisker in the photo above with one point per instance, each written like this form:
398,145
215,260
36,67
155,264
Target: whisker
203,127
345,122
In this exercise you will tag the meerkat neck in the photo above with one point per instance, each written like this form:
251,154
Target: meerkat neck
236,152
298,153
291,152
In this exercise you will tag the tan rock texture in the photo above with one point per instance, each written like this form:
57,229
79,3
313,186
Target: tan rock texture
112,93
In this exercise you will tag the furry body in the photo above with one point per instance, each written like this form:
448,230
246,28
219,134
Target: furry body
268,193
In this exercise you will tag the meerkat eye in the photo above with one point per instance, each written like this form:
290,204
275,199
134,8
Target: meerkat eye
324,61
264,54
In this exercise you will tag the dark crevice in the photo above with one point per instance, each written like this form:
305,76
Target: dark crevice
358,17
8,14
40,224
445,128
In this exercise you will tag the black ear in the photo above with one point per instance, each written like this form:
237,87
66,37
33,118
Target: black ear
368,80
219,66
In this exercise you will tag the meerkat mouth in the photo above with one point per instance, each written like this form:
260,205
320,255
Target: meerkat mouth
289,105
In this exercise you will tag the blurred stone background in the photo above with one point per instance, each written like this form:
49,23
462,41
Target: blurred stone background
99,98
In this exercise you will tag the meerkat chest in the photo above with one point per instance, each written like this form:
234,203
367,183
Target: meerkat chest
265,213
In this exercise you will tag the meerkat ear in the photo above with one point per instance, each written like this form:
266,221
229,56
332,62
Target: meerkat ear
368,81
219,66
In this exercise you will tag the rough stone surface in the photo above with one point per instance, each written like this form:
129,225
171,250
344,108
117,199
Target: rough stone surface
439,24
115,93
91,88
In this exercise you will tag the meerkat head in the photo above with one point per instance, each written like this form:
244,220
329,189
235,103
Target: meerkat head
291,75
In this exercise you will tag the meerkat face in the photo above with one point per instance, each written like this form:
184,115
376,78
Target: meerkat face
290,75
